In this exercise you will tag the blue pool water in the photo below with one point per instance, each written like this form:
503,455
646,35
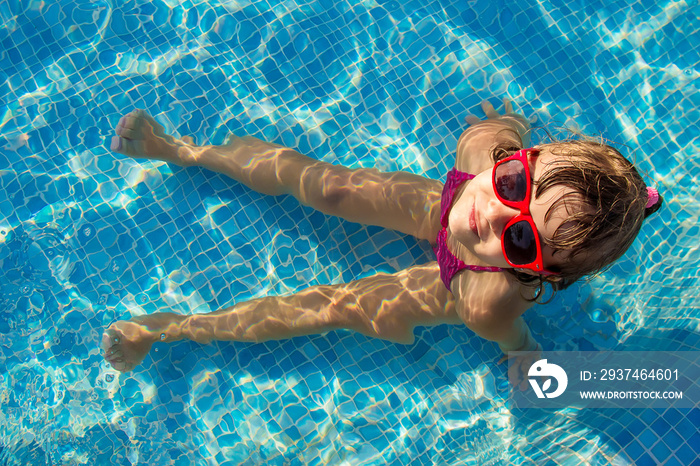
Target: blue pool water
88,237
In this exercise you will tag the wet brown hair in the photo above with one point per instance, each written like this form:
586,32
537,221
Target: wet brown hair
605,210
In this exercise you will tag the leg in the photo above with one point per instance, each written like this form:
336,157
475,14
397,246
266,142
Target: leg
385,306
400,201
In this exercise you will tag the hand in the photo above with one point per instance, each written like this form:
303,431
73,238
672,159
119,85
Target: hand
490,112
517,121
517,371
139,135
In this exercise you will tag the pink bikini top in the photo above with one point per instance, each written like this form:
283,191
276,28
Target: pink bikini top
448,263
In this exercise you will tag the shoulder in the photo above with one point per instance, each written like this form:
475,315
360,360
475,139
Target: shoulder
486,299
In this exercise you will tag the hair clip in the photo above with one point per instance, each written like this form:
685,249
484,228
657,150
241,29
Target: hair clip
652,197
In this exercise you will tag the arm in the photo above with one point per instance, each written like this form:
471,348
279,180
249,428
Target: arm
510,335
513,336
399,200
491,306
517,337
386,306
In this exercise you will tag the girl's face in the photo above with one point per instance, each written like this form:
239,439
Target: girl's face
478,217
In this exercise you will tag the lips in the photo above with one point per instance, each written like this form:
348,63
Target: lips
473,225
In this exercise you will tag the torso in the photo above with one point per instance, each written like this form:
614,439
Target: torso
493,289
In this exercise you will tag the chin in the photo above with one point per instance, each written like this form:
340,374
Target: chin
491,260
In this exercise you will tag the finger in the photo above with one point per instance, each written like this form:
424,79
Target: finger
188,139
128,121
129,146
519,376
489,110
118,365
127,133
109,339
472,120
508,104
106,342
116,144
113,354
115,361
513,376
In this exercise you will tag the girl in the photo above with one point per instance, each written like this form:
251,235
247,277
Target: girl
506,221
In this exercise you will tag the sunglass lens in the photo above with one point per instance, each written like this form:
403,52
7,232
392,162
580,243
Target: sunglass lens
511,182
519,243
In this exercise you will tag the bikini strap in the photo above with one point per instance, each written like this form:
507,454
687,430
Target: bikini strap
454,180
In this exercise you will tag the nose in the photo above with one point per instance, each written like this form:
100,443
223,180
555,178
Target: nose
498,215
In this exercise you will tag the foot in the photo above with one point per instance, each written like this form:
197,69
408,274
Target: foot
139,135
127,342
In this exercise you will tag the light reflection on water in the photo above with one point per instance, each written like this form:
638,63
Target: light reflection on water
89,237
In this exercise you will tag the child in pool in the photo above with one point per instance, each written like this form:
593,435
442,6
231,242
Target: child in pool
549,214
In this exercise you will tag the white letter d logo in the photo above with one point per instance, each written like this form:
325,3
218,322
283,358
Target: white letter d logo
542,369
